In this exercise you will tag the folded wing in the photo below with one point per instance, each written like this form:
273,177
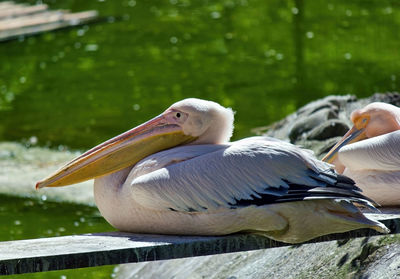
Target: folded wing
251,172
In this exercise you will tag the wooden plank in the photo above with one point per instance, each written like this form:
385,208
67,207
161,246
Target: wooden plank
55,21
56,253
16,11
10,5
36,19
22,20
6,4
10,8
46,18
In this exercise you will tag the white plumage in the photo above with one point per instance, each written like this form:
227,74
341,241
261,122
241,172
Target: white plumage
375,166
374,161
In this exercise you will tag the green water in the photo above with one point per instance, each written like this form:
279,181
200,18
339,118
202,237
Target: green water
80,86
77,87
27,218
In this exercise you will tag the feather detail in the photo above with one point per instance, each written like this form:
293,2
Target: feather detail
377,153
254,171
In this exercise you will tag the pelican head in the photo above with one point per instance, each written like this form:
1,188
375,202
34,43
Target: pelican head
373,120
208,121
190,121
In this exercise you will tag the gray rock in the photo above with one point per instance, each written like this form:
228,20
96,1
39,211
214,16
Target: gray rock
328,129
317,123
304,125
374,257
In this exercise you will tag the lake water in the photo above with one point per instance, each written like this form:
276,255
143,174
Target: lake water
76,87
80,86
27,218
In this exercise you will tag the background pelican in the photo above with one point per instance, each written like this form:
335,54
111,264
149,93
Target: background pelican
370,152
209,186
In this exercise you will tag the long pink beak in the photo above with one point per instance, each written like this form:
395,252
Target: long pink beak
351,136
119,152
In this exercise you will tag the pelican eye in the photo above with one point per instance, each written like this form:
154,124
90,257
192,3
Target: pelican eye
364,120
178,116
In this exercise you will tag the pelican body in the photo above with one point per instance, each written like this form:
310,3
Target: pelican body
179,174
369,153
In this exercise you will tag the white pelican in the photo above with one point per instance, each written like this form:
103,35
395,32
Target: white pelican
370,152
209,186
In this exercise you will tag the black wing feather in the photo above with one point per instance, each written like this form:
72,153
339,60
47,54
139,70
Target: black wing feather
337,186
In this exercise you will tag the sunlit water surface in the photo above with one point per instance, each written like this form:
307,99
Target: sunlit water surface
27,218
77,87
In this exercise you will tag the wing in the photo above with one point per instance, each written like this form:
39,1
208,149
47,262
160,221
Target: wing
171,156
378,153
255,171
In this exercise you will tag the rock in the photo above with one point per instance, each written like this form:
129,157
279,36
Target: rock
309,122
22,167
328,129
374,257
317,123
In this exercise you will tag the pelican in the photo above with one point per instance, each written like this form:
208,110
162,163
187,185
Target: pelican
179,174
369,152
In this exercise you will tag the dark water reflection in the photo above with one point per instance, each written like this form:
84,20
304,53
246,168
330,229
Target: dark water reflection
79,86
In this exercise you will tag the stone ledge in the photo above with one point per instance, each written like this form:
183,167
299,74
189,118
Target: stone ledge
89,250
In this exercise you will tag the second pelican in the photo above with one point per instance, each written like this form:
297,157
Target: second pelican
369,153
178,174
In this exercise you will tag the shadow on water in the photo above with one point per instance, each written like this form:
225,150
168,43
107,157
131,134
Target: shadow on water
78,87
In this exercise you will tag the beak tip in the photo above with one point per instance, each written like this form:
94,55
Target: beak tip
39,185
329,157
